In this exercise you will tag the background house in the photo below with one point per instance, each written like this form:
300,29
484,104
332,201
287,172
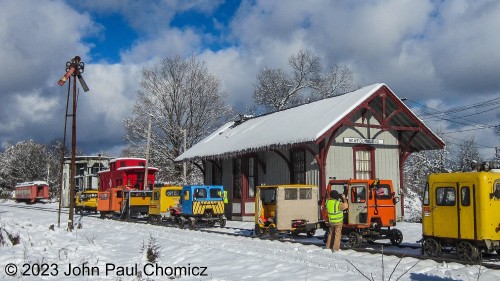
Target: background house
368,133
85,174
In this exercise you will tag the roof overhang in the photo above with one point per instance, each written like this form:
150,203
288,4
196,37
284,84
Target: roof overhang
316,121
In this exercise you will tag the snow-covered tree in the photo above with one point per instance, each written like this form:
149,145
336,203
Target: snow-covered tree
276,90
54,155
416,169
30,161
182,98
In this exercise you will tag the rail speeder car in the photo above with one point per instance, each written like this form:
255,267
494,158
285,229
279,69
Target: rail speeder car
372,210
123,190
86,201
202,204
286,208
461,212
164,200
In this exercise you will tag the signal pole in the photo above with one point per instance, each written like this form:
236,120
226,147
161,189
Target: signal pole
75,68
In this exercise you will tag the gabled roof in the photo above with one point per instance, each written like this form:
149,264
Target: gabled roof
302,124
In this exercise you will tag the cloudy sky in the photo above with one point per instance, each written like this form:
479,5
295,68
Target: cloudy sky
444,56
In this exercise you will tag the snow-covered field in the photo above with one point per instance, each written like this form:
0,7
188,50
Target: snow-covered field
114,250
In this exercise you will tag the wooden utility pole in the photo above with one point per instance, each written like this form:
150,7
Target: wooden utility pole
146,187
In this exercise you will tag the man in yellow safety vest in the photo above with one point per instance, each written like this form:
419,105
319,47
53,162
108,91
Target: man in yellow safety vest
335,207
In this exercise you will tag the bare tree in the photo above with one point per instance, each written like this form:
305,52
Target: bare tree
467,154
181,97
337,81
276,90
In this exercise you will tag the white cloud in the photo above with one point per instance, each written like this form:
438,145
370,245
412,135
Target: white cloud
466,49
36,39
169,42
447,51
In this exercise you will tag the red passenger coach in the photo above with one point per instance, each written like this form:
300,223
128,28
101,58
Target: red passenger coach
31,192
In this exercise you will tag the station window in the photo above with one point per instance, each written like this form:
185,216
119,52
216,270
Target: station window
305,193
465,196
445,196
216,173
299,166
252,175
363,162
291,193
237,178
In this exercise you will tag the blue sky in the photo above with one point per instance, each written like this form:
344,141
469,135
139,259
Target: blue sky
439,54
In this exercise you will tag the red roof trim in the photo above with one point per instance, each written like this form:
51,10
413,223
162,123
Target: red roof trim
383,92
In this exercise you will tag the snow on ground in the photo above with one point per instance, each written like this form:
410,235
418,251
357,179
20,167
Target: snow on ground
113,250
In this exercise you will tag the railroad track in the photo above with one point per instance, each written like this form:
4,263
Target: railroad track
36,207
383,248
385,251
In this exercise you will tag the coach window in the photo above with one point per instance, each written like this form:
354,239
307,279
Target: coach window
426,195
465,196
383,192
171,193
305,193
445,196
358,194
215,193
186,195
200,193
291,193
364,167
496,189
156,195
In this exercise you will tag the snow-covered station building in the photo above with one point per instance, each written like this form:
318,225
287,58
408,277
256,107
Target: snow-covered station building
367,133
